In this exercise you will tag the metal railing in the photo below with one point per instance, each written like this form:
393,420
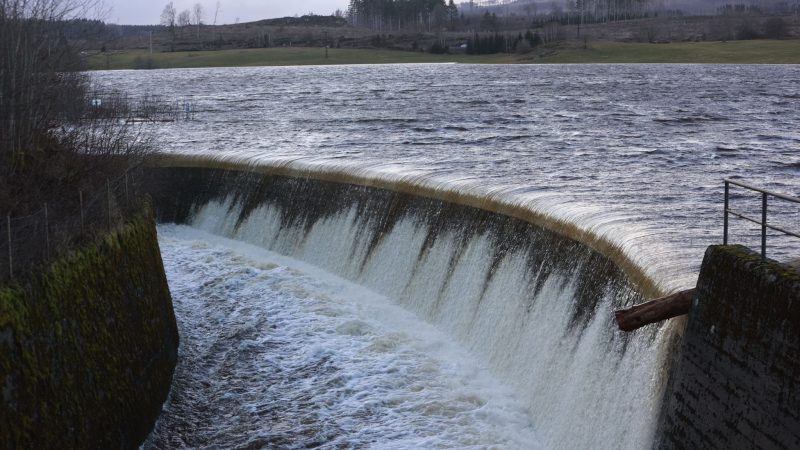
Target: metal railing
765,194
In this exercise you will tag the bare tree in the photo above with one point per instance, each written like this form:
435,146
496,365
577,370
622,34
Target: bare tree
197,14
217,9
184,18
580,7
51,134
168,16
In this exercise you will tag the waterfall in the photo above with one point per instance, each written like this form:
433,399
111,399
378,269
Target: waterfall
535,304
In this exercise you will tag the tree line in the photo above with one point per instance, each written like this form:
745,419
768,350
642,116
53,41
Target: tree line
171,18
440,15
397,15
610,10
436,15
487,44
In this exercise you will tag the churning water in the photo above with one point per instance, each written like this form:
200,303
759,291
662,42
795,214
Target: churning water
635,154
278,354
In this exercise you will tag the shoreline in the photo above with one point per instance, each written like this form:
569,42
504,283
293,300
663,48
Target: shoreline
599,52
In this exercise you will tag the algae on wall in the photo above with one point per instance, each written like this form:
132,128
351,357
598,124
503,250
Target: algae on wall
88,346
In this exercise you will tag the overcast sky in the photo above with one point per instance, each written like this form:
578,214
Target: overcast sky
141,12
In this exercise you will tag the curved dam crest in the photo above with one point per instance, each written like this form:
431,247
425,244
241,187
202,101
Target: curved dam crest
531,295
653,276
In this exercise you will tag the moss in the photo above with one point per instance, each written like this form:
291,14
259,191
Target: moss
744,256
752,296
88,346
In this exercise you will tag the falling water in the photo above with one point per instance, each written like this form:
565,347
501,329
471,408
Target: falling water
534,306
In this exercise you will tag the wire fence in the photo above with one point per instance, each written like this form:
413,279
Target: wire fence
29,241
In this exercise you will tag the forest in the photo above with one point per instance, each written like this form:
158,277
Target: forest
395,15
437,15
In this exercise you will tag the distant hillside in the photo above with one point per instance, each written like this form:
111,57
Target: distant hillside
505,33
651,7
304,21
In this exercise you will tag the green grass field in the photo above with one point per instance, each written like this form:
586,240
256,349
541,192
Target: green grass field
294,56
732,52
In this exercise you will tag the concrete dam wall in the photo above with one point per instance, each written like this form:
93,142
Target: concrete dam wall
736,380
88,346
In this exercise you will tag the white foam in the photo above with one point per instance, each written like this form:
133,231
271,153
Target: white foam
274,349
584,386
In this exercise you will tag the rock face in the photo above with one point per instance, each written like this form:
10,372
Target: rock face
736,383
88,346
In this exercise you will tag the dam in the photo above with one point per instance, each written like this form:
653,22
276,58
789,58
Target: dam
504,228
534,307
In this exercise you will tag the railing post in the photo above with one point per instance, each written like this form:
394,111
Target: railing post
763,225
46,234
83,219
725,222
10,258
108,201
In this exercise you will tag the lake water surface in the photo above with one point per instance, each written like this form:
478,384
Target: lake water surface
635,152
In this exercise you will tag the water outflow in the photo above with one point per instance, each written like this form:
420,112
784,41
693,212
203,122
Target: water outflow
535,306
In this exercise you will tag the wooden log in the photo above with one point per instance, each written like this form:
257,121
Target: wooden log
654,311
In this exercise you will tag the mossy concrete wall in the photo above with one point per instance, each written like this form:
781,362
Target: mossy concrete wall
88,346
736,382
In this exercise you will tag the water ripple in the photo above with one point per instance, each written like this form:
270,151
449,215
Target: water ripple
614,137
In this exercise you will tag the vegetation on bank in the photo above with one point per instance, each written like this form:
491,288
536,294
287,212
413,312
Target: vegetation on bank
732,52
58,136
88,339
63,143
